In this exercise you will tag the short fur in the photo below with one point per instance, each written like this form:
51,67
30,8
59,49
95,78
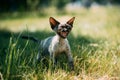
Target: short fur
54,46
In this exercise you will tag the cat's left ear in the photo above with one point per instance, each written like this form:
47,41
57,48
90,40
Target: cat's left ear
70,22
53,22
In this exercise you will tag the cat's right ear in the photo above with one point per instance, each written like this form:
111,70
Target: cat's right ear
53,22
70,22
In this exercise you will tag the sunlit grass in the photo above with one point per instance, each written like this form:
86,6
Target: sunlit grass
94,40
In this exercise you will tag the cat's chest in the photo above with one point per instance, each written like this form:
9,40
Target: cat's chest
60,46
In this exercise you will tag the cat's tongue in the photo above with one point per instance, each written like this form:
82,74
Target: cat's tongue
64,34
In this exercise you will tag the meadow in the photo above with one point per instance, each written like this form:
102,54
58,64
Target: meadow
94,41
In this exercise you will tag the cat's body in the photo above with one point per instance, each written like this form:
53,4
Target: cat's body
55,45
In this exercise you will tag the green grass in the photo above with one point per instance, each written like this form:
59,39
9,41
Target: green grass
94,40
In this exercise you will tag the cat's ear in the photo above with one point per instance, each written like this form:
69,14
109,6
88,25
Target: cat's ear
53,22
70,22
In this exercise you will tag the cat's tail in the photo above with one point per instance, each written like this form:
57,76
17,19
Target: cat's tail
31,38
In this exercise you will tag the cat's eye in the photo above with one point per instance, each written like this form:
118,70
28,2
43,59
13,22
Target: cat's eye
68,28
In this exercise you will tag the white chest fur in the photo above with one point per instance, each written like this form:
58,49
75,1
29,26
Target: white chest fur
58,45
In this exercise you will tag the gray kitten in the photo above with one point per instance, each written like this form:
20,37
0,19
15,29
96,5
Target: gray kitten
55,45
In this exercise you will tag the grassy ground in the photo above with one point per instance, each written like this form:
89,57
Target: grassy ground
94,40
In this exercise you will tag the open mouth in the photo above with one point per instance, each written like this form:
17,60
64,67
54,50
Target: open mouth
64,34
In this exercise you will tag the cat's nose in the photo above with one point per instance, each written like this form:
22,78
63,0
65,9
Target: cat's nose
64,29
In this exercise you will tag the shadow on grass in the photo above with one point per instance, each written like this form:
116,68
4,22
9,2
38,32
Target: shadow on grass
28,49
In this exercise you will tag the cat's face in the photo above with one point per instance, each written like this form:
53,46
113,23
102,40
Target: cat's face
61,29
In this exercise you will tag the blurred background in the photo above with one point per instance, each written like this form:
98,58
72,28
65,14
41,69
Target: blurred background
38,5
17,9
32,11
